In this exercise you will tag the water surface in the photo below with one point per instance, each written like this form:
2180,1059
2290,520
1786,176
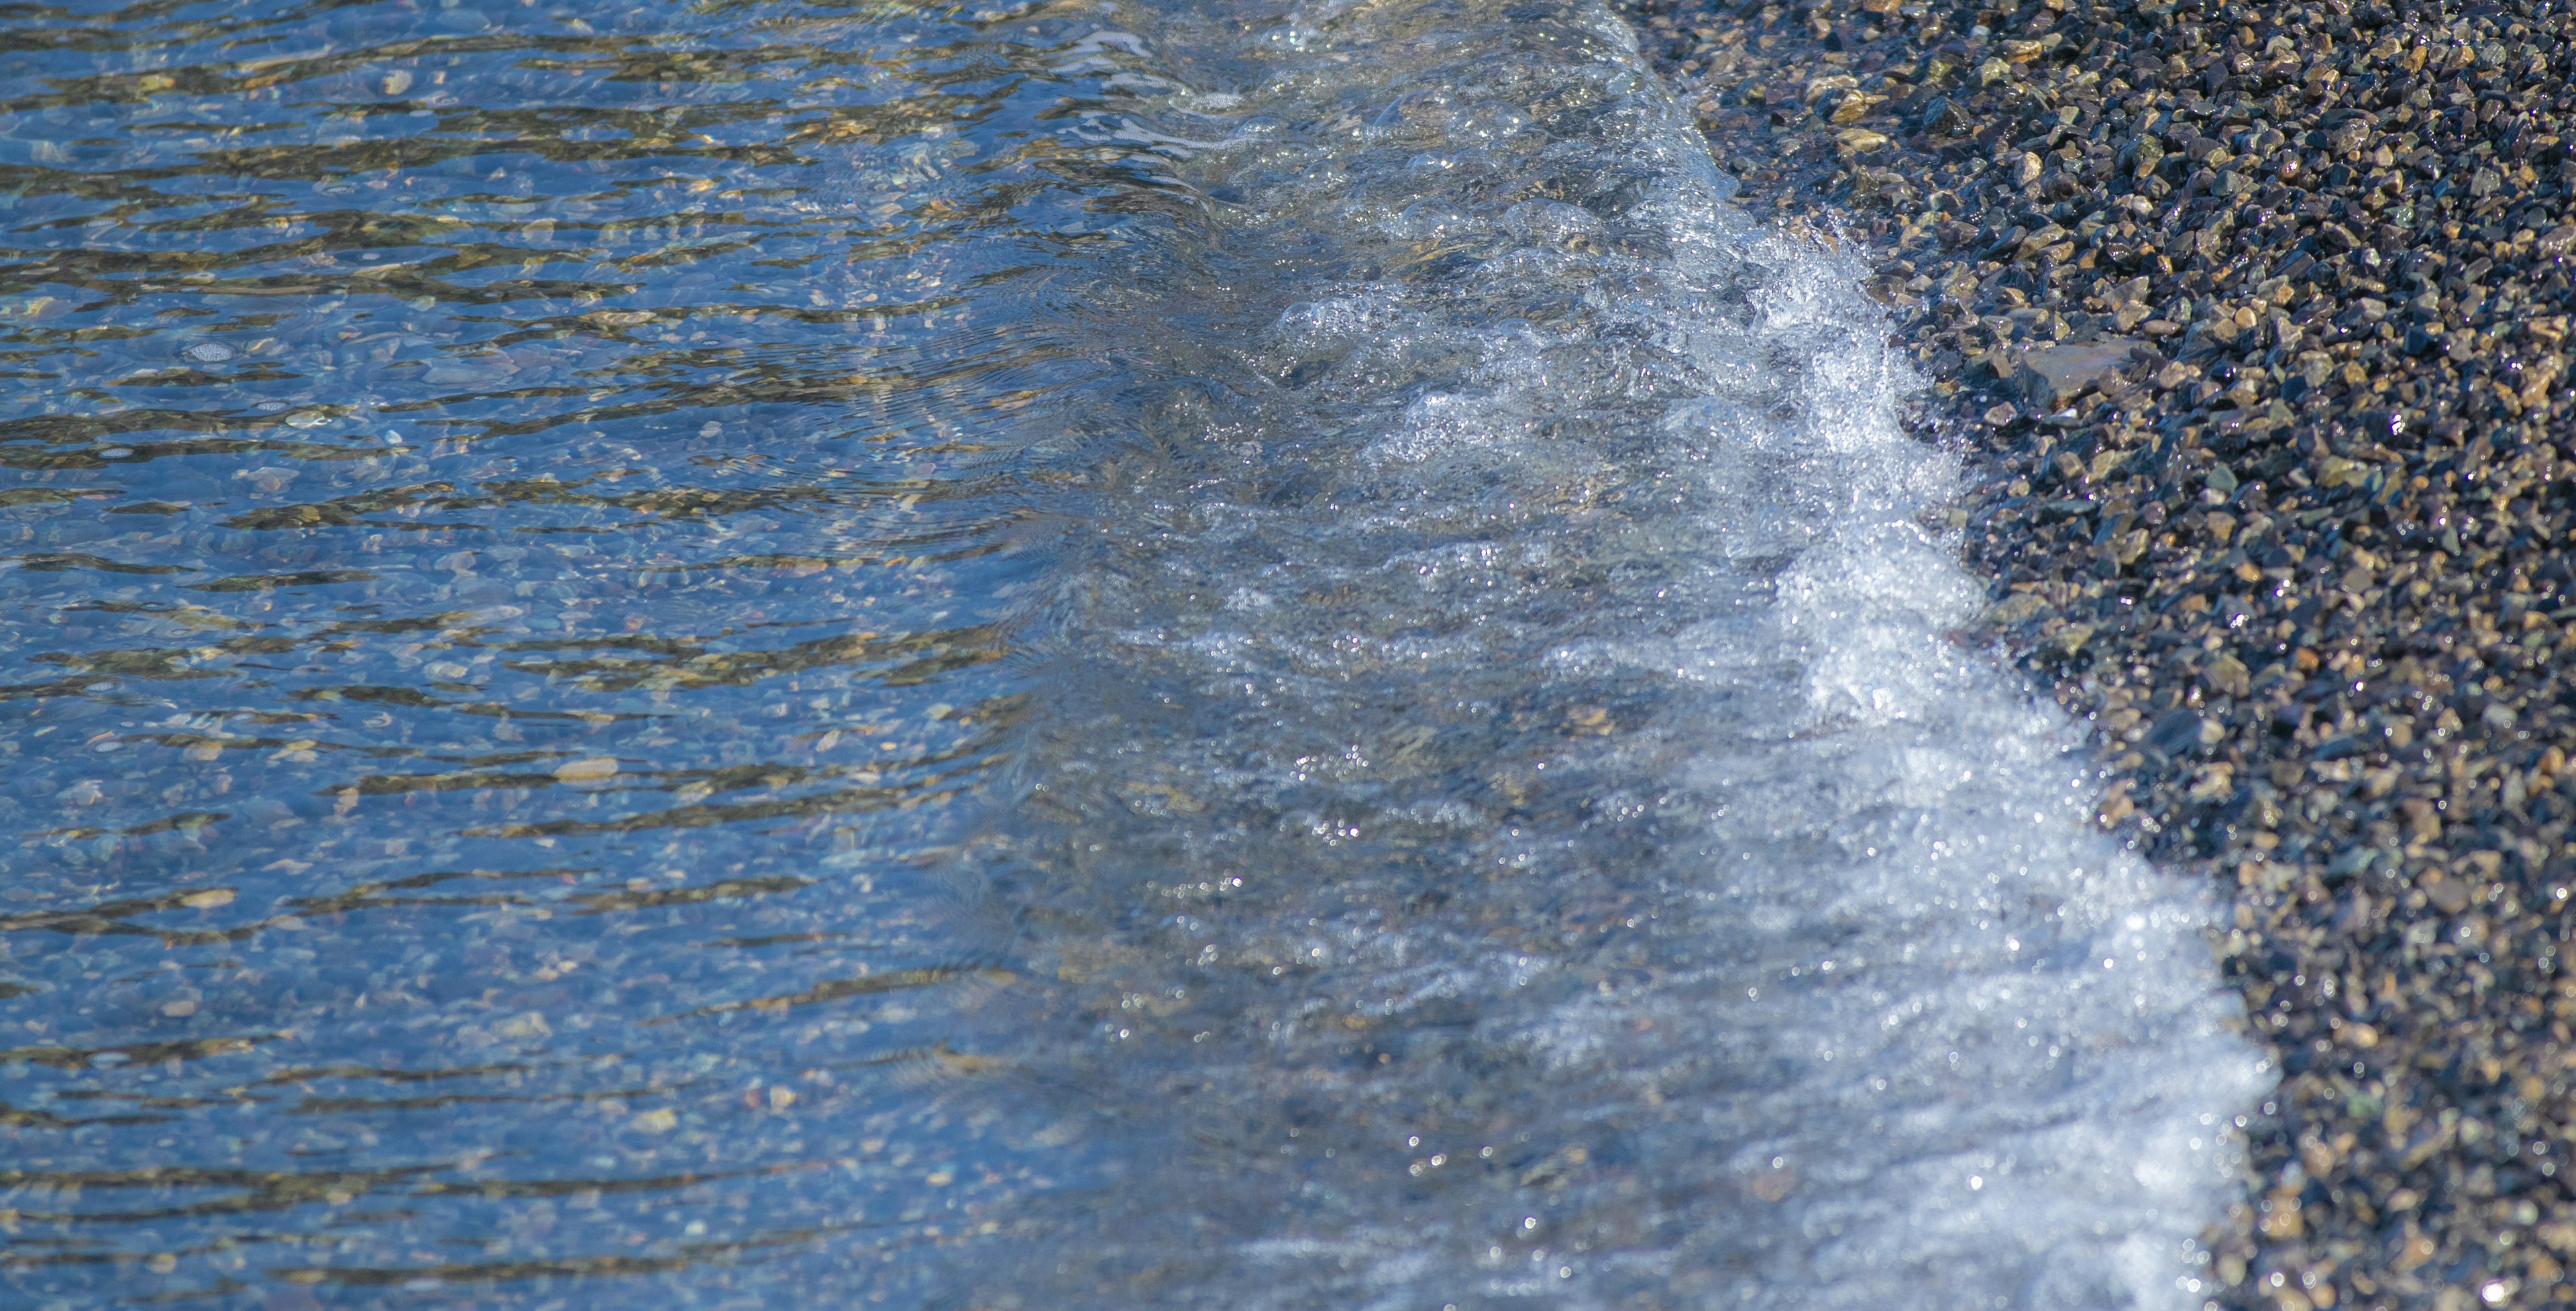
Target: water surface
1107,654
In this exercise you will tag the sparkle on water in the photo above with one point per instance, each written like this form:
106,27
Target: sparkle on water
759,654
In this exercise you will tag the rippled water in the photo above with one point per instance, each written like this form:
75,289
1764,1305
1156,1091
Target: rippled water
770,655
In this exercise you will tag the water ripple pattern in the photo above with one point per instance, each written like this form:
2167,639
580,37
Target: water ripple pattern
1072,655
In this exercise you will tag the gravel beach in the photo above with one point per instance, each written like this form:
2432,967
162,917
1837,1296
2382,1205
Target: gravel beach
2253,318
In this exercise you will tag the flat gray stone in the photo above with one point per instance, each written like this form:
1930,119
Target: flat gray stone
2053,375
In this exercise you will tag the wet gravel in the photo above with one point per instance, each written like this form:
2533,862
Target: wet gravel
2254,315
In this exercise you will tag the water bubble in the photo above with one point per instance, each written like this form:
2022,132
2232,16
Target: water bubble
1548,222
1491,121
1430,219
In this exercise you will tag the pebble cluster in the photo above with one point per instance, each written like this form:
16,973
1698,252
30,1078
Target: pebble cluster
2254,315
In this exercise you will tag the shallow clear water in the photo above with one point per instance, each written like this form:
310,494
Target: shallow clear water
771,655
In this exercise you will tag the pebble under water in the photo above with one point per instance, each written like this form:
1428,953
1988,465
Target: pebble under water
1087,655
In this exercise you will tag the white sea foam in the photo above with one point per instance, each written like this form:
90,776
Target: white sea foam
1621,827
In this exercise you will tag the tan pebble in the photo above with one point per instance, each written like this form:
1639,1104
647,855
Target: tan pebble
2016,608
2281,1217
1854,107
2450,895
2228,674
2418,1250
2318,1157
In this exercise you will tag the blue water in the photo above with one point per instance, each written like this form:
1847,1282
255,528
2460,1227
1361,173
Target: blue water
752,655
